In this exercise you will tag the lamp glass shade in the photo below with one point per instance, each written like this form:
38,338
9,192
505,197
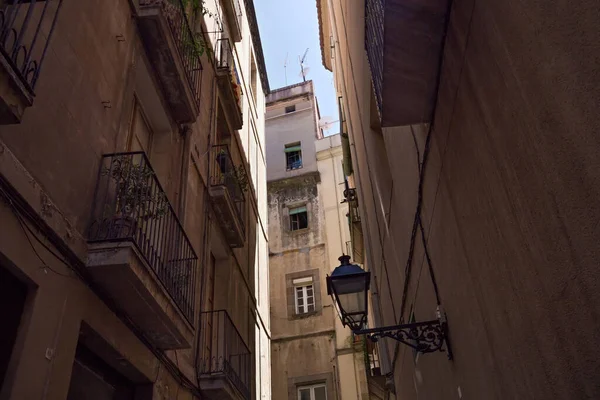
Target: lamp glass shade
348,285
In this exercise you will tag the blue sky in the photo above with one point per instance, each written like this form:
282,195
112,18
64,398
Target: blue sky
290,27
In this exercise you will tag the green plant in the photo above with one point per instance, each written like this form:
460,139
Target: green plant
136,194
239,175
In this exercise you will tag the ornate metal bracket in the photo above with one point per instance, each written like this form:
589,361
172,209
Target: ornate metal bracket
424,337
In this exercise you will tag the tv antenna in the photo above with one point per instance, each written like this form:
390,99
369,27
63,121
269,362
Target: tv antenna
326,123
285,67
303,70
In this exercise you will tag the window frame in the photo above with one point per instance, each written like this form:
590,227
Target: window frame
293,150
300,278
304,289
311,389
296,218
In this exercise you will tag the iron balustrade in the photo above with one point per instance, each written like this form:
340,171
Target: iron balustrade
371,357
223,350
189,46
225,173
131,206
25,35
353,212
224,55
374,29
225,61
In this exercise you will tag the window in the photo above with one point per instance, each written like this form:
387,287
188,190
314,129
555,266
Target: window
253,77
304,295
290,109
313,392
293,156
298,218
303,298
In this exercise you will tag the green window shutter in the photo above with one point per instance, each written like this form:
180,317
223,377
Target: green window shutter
297,210
293,148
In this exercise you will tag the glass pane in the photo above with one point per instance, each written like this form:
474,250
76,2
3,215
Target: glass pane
311,308
309,290
300,301
350,285
304,394
352,302
320,393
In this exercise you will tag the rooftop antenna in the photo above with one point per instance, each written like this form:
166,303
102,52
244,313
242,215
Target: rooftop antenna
326,123
285,67
303,70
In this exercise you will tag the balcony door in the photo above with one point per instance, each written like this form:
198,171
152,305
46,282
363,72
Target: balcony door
208,333
140,134
93,379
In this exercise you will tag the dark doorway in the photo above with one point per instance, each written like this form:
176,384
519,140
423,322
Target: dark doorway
13,293
93,379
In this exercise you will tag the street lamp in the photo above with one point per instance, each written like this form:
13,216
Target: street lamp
348,286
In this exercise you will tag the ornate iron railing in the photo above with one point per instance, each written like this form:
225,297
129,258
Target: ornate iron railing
25,35
225,173
189,46
223,351
225,61
371,357
224,55
374,27
130,205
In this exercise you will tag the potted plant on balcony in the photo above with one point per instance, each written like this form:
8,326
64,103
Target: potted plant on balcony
231,174
137,199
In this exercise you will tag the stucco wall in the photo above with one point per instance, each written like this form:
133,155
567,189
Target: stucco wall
52,159
286,128
510,199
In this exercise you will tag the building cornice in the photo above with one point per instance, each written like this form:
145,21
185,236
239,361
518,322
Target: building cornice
312,177
328,332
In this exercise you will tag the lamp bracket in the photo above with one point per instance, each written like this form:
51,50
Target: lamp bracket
424,337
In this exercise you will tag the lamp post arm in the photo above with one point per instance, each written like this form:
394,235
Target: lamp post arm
424,337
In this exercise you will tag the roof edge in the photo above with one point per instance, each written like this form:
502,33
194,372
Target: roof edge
257,43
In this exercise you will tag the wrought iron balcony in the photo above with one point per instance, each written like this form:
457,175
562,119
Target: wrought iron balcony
174,51
26,27
225,360
229,83
403,40
233,14
139,251
227,185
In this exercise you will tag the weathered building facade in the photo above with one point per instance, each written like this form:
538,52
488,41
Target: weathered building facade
471,141
313,357
133,238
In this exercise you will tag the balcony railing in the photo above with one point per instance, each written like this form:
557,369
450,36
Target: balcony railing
374,26
371,358
225,173
229,83
223,351
130,205
188,45
26,27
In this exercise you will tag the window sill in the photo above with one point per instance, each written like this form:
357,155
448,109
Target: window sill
292,169
305,315
299,231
